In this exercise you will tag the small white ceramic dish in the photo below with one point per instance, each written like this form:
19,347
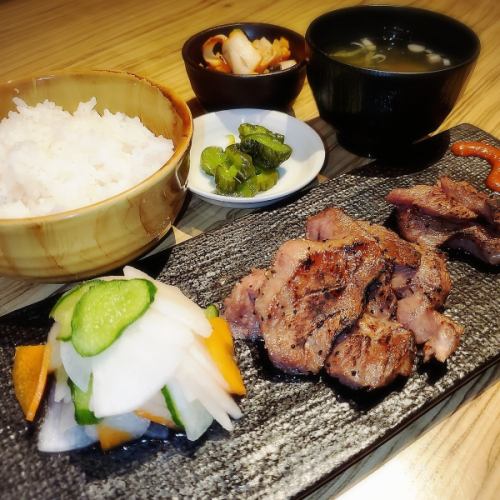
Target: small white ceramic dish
215,129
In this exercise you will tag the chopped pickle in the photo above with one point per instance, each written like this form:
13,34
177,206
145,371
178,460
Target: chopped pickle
249,129
266,179
226,178
172,407
241,160
266,151
248,188
211,157
245,168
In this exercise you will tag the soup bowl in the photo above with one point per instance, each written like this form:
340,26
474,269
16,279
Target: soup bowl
378,113
91,240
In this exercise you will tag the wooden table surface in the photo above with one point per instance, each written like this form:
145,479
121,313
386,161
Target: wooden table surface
453,451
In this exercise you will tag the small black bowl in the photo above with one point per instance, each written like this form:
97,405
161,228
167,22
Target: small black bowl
379,113
216,90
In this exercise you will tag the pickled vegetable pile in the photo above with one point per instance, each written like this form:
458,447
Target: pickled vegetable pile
250,166
131,357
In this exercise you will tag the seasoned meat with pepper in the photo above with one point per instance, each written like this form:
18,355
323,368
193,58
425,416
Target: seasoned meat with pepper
378,348
431,200
478,240
451,214
333,223
314,290
480,203
372,354
431,278
416,271
353,298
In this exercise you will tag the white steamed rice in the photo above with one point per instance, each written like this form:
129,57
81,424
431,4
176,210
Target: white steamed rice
52,161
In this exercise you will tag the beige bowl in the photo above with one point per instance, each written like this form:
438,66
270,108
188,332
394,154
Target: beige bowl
94,239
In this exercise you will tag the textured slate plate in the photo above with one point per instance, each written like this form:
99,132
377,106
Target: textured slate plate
295,432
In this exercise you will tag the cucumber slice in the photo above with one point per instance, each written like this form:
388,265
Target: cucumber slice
101,315
192,415
172,407
62,312
81,399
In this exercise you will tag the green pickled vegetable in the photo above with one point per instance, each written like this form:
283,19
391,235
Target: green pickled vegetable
81,400
245,168
266,179
211,311
226,178
241,160
211,158
62,312
246,129
266,151
105,310
248,188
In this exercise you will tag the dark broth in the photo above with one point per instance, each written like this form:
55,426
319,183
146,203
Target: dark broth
392,55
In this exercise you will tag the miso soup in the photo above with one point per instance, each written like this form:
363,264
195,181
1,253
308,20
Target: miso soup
392,55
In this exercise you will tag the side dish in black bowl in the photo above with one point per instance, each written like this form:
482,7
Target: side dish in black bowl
218,86
387,76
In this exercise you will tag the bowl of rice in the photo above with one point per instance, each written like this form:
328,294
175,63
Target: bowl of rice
93,172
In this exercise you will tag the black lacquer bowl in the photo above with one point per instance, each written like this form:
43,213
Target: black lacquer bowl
378,112
274,90
295,432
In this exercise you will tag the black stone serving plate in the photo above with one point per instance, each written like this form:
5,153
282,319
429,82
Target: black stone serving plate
296,432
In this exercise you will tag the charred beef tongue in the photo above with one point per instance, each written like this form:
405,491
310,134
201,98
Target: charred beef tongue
477,201
354,298
433,201
451,214
378,348
313,291
239,305
420,280
372,354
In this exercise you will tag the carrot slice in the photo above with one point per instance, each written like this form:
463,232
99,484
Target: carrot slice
110,437
220,348
157,419
29,373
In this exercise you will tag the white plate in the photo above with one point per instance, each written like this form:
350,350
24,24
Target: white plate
299,170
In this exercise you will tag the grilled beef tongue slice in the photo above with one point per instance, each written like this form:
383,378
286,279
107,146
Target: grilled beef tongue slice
431,200
477,201
377,349
419,277
313,291
239,305
333,223
372,354
439,334
481,241
432,278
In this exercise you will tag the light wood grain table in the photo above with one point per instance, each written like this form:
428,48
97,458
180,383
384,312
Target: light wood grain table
453,451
